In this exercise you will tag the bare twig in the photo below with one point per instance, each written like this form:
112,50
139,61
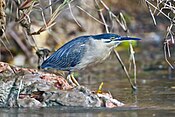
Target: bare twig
51,21
50,6
158,9
90,15
165,54
152,15
120,22
101,15
103,19
2,17
73,15
134,63
124,68
167,9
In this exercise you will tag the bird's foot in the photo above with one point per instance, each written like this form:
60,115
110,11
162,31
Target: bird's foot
72,81
100,88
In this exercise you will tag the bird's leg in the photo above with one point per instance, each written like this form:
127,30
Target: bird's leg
74,80
69,80
100,88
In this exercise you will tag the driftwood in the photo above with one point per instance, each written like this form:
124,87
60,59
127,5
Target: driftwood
22,87
2,17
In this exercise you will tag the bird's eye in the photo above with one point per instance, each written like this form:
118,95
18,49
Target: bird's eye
112,38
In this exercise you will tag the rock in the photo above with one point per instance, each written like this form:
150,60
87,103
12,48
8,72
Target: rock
74,97
29,102
22,87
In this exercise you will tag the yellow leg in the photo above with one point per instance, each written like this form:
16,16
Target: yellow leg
69,79
74,80
100,88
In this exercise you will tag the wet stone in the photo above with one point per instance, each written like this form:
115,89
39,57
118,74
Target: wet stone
32,88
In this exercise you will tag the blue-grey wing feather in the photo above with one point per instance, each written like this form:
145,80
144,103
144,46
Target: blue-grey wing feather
67,56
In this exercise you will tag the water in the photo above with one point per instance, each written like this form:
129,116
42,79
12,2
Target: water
80,112
155,96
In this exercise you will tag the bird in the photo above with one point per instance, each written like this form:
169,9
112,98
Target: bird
83,51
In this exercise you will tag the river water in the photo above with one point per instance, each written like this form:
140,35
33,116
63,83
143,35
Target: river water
155,96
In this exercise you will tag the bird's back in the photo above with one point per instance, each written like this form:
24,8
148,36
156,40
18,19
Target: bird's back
68,56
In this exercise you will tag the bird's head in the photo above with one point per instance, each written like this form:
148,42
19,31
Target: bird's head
113,39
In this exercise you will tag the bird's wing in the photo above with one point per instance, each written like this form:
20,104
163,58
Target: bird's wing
66,57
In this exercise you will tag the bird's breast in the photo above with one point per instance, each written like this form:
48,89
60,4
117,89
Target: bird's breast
95,52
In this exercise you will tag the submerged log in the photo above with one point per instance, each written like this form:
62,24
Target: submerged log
23,87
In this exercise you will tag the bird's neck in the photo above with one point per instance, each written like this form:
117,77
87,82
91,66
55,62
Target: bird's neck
112,45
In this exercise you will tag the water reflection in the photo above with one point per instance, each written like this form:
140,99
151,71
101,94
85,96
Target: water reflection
154,98
84,112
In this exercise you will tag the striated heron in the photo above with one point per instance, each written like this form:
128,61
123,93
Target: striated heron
83,51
